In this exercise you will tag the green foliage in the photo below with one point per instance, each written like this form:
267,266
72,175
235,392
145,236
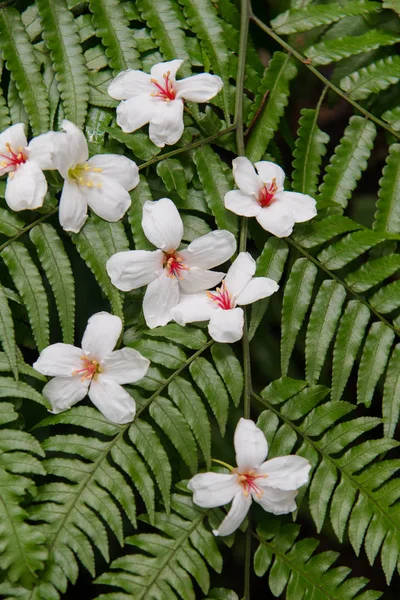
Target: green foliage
372,79
310,148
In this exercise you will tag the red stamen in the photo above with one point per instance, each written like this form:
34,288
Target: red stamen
90,369
247,481
267,194
167,92
12,160
174,265
222,297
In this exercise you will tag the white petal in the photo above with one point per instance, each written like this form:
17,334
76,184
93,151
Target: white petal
213,489
59,360
131,269
302,207
129,83
276,501
26,187
269,171
125,366
277,219
210,250
199,88
285,472
73,207
166,123
64,392
197,280
101,335
118,167
135,112
226,326
71,149
110,201
14,136
42,148
157,71
162,224
161,296
236,515
251,447
112,400
241,204
257,288
192,308
240,273
246,177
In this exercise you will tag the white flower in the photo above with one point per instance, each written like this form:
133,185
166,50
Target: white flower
94,370
24,163
101,182
158,99
273,483
168,271
220,307
262,196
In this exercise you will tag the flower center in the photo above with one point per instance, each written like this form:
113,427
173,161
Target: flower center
248,482
174,265
12,160
91,368
267,194
166,90
81,175
222,297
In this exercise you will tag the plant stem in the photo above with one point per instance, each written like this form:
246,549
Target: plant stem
28,227
221,462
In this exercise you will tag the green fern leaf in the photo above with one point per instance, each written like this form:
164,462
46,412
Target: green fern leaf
190,337
373,272
9,388
7,334
373,361
315,232
391,394
57,267
369,80
387,216
340,253
5,120
167,355
112,26
393,118
139,196
310,148
29,284
60,34
337,49
387,298
281,70
173,175
230,369
210,383
140,143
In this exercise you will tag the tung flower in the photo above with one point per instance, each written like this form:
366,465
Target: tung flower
24,163
93,369
168,271
261,196
101,182
158,99
273,484
222,306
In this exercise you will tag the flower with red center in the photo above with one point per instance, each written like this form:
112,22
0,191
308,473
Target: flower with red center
271,483
222,306
261,195
168,272
94,370
158,99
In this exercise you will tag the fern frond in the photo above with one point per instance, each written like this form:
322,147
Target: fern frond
387,216
310,148
373,361
213,388
391,394
369,80
393,118
7,334
173,175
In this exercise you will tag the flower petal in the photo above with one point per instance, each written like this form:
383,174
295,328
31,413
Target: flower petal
241,204
246,177
59,360
118,167
199,88
129,83
110,201
196,280
166,123
73,207
71,148
285,472
257,288
132,114
26,187
162,224
64,392
101,335
14,136
213,489
240,273
276,218
251,447
269,171
192,308
125,366
42,148
160,69
131,269
161,296
226,326
302,207
276,501
236,515
210,250
112,400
